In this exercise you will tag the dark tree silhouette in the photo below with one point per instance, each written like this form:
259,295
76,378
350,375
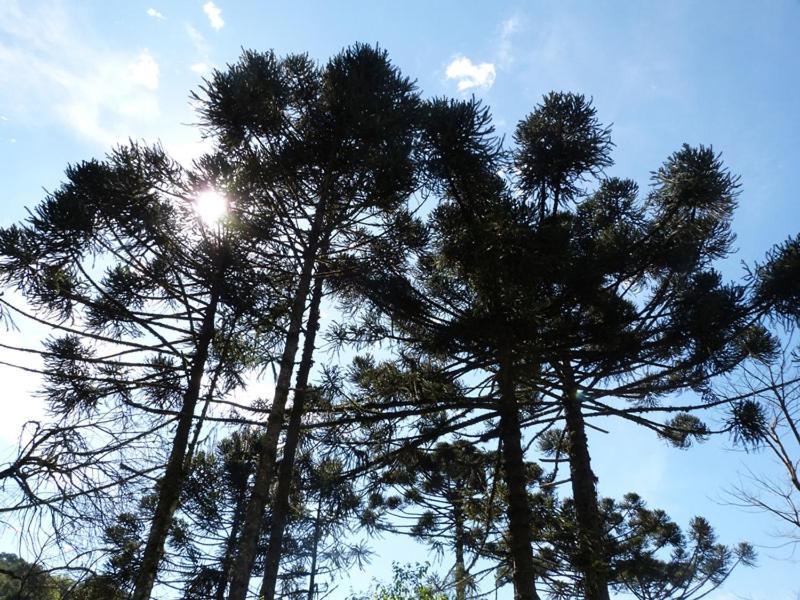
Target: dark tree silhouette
576,307
537,295
154,310
335,144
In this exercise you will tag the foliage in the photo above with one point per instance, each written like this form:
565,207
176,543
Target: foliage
20,580
532,295
409,582
648,554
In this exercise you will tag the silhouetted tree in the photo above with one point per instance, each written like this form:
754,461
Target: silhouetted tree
155,311
646,554
570,307
448,494
335,144
522,309
764,417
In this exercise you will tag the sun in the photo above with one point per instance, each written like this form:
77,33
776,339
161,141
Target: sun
210,206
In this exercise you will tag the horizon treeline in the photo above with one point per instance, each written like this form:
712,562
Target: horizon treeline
480,304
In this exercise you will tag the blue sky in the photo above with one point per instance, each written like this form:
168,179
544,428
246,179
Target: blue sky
78,77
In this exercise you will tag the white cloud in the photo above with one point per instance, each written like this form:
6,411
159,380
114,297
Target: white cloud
144,71
152,12
185,146
50,70
214,15
469,75
200,67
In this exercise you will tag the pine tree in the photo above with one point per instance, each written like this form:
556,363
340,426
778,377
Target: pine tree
647,554
334,145
571,301
155,311
448,495
524,307
212,506
763,418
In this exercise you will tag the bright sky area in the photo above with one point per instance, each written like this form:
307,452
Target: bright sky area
78,77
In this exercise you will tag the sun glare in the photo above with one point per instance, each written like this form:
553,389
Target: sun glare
211,206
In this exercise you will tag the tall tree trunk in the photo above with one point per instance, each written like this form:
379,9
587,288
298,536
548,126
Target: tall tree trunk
542,202
172,481
280,502
230,547
459,571
314,550
519,513
268,444
591,561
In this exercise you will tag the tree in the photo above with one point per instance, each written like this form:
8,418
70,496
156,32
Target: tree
24,581
764,417
212,508
20,580
325,506
765,394
335,144
446,493
408,583
522,309
280,504
594,299
646,553
151,338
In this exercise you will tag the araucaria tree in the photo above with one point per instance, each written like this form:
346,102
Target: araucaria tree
335,146
510,293
155,316
570,304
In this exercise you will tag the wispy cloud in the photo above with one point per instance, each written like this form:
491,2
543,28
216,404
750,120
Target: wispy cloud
152,12
202,64
50,71
505,49
469,75
198,40
214,14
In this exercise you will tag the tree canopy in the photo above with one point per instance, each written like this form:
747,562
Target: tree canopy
488,300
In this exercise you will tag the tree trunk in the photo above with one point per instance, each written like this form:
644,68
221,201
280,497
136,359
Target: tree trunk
280,502
230,547
591,561
314,549
268,444
519,513
172,481
459,571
